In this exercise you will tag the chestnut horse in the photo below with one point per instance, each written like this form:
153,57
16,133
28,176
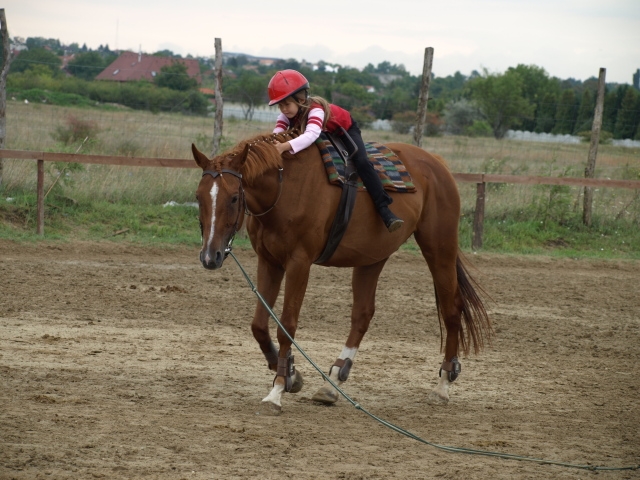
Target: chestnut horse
290,207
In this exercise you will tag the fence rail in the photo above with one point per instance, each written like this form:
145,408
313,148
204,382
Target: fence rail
480,179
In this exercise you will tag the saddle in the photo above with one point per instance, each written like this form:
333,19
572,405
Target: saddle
348,196
334,150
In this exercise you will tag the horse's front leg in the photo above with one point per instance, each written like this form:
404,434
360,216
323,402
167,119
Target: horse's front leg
268,281
364,283
287,378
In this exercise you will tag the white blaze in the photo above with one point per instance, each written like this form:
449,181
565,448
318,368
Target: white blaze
214,198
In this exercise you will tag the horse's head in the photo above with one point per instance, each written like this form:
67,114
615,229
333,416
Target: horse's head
221,201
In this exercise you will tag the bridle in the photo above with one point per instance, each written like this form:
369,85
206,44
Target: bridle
238,175
251,214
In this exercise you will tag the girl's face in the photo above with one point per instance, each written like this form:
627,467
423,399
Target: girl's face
288,107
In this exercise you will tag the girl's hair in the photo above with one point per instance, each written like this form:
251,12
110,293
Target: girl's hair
304,101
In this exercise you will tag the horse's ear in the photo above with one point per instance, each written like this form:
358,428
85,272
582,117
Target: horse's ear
239,160
200,158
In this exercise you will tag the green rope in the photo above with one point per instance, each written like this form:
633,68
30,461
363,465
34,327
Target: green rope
395,428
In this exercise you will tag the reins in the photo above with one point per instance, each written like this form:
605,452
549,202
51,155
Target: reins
395,428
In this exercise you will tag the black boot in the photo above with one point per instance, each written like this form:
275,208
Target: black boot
392,222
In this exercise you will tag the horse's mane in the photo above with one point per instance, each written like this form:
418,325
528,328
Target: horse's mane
261,154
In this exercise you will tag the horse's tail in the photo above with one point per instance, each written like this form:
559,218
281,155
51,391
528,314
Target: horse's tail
476,325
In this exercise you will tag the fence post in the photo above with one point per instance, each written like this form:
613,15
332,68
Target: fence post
421,114
478,217
217,125
40,208
589,171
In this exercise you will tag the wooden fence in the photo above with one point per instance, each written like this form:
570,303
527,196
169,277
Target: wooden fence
480,179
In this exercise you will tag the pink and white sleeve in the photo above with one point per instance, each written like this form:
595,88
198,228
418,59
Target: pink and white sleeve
311,132
282,123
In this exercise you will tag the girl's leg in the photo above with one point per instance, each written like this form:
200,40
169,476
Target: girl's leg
371,180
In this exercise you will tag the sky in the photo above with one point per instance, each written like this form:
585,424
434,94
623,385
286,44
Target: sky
568,38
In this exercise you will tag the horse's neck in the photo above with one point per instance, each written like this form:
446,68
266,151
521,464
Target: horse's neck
303,178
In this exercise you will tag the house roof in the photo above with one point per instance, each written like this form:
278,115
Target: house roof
130,66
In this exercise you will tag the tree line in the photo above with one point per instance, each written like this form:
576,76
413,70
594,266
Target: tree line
524,97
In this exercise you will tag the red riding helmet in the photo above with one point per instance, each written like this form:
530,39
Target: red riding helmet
284,84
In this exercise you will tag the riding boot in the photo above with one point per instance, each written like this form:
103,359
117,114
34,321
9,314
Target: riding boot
391,221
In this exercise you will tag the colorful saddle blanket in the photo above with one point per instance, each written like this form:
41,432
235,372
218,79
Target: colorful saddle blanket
392,172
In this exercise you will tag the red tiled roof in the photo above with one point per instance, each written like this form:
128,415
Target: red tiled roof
130,66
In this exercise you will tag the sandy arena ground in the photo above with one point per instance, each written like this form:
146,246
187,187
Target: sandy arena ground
119,361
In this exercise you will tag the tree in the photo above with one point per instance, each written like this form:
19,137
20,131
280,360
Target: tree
350,95
175,77
36,56
628,115
459,116
451,87
249,89
501,101
41,42
584,121
166,53
86,65
566,113
536,84
612,103
546,113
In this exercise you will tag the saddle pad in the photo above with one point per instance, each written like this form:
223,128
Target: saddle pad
392,172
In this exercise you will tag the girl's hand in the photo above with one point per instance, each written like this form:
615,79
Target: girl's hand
281,147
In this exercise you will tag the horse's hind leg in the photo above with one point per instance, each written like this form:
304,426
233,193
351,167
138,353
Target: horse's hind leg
364,283
441,256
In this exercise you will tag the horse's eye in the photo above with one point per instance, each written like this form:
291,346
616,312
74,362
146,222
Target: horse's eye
234,199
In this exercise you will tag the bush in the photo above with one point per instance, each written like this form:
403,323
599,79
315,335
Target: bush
479,128
403,122
76,130
74,91
363,116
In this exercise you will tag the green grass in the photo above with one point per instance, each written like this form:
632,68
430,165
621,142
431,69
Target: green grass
125,204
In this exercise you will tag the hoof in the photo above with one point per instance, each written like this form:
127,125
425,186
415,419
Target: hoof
435,398
297,384
327,395
269,409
